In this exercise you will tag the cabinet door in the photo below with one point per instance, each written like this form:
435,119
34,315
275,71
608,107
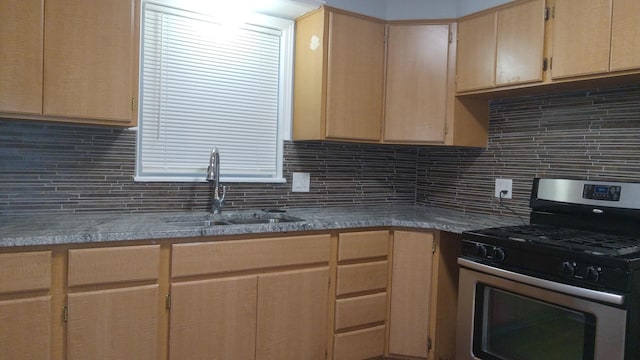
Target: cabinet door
410,293
581,37
520,43
355,71
213,319
113,324
25,328
21,32
476,59
416,96
90,59
292,315
625,35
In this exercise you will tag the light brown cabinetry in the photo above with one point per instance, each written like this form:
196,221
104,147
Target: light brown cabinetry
70,61
338,79
417,83
25,305
361,295
625,35
113,302
581,37
270,313
21,36
501,47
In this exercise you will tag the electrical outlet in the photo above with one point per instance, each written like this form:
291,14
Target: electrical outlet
300,182
504,185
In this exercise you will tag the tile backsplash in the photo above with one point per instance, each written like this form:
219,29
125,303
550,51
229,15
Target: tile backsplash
47,167
593,135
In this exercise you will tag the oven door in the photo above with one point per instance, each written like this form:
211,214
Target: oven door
506,316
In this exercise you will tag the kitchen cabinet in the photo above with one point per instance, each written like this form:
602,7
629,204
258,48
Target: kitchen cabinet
113,303
339,76
70,60
581,37
25,305
417,83
423,289
267,312
476,61
501,47
21,36
90,60
361,295
625,35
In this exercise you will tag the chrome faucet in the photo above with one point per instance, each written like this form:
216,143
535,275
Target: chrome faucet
213,176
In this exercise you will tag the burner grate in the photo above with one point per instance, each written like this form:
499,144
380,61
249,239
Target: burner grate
577,240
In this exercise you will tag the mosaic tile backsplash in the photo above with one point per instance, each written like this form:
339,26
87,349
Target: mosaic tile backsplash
48,168
593,135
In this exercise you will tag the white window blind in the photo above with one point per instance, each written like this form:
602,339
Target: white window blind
205,84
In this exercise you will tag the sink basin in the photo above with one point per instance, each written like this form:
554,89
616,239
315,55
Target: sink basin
229,219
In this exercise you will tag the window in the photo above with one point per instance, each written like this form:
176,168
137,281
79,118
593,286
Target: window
206,83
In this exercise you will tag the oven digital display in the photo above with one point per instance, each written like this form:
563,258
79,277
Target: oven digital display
601,192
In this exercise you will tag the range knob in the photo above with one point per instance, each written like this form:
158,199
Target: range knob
568,269
592,274
498,254
481,250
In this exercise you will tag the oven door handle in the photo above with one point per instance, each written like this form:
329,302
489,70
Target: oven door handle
545,284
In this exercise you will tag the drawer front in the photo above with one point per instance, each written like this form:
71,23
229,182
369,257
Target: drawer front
361,310
25,271
227,256
362,277
360,344
360,245
113,265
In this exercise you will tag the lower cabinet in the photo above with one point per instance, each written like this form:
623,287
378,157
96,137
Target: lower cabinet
112,303
25,305
271,313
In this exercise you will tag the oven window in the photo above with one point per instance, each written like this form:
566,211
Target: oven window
510,326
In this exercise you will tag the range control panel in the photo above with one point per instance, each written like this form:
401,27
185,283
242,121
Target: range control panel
601,192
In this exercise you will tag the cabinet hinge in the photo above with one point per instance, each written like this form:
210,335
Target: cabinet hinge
547,13
450,37
446,128
429,345
545,64
433,247
65,313
133,104
551,63
167,301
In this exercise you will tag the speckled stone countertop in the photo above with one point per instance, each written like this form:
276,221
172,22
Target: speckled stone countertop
94,228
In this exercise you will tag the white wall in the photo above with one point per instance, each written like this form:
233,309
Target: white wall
415,9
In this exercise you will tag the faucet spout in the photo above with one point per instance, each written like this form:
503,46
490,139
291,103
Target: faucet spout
213,177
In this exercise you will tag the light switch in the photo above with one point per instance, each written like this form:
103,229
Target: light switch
300,182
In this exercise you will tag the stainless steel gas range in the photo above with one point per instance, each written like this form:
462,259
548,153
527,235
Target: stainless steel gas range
566,286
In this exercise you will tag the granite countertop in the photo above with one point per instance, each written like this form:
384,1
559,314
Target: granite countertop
95,228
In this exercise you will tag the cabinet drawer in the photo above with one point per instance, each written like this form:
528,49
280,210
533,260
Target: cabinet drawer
359,344
226,256
115,264
362,245
361,310
362,277
25,271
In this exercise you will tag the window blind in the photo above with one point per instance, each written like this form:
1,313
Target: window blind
205,84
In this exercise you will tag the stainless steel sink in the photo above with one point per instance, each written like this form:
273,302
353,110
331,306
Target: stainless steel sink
240,218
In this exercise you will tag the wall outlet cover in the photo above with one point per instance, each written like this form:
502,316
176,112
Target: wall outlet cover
300,182
506,185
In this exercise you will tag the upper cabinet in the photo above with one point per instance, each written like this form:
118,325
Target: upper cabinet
416,86
90,59
501,47
625,35
339,75
21,56
70,60
581,37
